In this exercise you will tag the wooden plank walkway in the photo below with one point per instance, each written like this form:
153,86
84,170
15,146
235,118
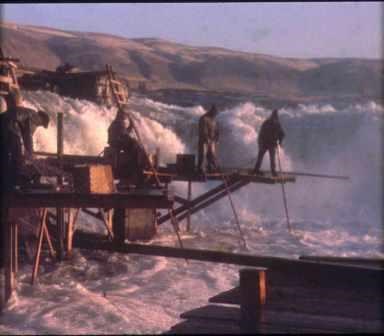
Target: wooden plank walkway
167,175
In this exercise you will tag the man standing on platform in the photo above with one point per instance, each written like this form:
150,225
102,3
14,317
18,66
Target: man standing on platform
208,138
121,139
271,135
18,124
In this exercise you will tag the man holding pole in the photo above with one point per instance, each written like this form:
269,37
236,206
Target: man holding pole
270,137
121,139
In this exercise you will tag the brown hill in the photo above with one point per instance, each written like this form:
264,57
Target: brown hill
171,65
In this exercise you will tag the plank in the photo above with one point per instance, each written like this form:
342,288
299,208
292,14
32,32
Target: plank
206,327
285,320
280,270
359,294
321,302
168,174
358,261
51,199
269,179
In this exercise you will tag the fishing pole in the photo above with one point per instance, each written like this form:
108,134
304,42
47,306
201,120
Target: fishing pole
283,190
295,173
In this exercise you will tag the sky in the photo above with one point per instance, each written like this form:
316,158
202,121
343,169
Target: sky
291,29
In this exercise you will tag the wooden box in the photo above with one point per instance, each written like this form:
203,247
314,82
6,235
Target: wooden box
134,224
185,164
93,179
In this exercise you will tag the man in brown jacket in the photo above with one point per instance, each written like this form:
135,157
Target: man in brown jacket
208,138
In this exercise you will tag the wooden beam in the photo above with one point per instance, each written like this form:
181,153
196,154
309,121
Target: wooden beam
39,245
362,261
181,200
60,222
15,238
197,200
70,230
48,199
211,200
107,220
9,274
72,159
300,271
189,211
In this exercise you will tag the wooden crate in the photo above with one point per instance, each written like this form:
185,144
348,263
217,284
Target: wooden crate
93,179
134,224
185,164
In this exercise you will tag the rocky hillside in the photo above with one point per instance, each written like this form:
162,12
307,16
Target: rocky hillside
169,65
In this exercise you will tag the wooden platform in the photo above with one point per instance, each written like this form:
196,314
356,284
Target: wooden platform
167,175
149,198
302,296
294,309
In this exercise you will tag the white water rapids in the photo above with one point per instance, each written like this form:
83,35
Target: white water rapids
104,293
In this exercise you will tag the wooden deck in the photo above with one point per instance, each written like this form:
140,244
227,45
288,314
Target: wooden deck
297,309
302,296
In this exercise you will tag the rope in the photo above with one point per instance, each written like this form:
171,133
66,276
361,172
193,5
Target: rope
175,227
232,204
283,190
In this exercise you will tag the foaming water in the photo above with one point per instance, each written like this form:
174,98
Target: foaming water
98,292
320,139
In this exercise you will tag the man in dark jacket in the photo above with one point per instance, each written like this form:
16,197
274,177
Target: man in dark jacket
208,138
270,136
121,139
28,121
18,124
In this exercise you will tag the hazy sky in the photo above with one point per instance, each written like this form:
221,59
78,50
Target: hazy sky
295,29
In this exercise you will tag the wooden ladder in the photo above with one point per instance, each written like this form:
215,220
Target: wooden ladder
116,86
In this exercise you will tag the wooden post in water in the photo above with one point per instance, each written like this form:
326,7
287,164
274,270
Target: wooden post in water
2,255
252,298
9,256
189,199
60,211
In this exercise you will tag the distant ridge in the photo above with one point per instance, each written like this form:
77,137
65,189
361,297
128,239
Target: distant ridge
170,65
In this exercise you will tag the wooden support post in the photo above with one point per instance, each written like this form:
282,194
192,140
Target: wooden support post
252,298
72,218
49,241
189,209
59,211
3,221
39,245
69,234
9,263
118,227
15,249
107,220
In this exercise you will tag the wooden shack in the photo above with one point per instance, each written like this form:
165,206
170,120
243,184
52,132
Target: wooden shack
92,85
